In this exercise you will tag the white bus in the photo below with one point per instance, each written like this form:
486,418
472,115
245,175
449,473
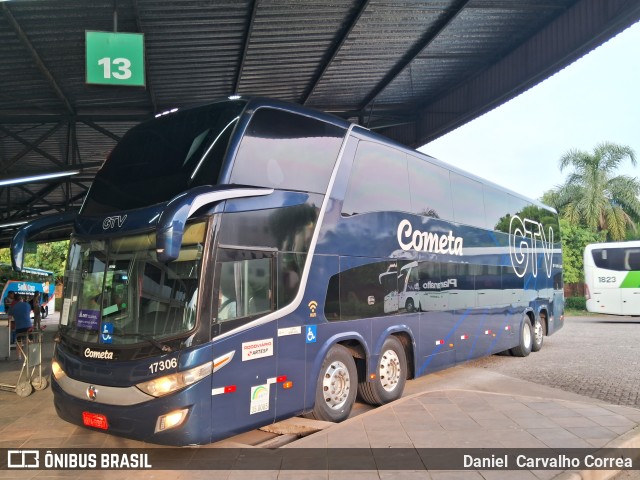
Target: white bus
612,277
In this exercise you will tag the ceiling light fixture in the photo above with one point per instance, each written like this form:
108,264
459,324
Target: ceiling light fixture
37,178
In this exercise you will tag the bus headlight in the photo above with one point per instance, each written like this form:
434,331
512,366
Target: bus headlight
161,386
57,370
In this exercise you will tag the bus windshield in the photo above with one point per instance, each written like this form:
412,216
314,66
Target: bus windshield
161,158
116,292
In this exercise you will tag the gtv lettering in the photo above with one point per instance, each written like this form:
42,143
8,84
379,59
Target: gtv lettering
111,222
524,237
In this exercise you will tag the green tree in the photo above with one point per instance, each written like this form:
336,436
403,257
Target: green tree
49,256
593,196
574,239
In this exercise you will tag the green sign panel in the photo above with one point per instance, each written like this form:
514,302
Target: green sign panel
115,58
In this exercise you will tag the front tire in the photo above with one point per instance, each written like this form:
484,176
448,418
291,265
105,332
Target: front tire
336,387
526,340
391,375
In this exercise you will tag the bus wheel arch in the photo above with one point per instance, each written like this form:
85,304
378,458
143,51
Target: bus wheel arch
390,376
336,385
525,342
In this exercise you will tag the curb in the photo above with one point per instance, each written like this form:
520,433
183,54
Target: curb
630,440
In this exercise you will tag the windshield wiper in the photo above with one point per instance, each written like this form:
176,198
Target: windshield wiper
151,340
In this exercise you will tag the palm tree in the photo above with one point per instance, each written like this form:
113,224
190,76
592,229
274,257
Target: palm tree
594,196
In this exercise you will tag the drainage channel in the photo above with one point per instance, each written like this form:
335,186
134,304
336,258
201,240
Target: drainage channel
288,431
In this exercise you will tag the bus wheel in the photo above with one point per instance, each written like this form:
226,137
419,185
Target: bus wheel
410,307
526,340
337,386
538,335
390,377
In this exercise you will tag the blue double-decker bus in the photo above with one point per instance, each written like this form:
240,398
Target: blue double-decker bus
245,261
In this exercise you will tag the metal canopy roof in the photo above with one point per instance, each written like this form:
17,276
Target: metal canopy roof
410,69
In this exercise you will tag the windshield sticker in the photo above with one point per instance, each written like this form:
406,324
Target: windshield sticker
259,399
257,349
106,335
64,316
88,319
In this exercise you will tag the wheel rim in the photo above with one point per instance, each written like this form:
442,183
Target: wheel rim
526,335
538,332
389,370
336,385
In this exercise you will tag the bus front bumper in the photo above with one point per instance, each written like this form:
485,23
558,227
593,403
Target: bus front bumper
149,421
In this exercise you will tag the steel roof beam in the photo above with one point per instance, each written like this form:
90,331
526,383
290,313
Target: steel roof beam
152,95
29,147
36,58
338,45
35,197
254,9
33,147
413,53
102,130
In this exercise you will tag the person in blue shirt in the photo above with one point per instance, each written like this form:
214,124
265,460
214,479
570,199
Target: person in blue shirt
21,312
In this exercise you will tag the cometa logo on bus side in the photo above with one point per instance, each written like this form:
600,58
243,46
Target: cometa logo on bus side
410,239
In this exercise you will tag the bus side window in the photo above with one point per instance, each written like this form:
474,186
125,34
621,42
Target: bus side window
378,182
468,201
244,285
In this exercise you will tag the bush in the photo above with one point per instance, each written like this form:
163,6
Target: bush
575,303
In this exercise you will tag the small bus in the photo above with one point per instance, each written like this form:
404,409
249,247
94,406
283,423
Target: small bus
612,277
245,261
27,283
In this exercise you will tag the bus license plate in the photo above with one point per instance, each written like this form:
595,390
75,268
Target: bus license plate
95,420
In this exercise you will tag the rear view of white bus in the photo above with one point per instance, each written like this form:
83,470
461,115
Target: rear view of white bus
612,277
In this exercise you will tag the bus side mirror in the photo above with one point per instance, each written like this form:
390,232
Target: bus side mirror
172,220
62,222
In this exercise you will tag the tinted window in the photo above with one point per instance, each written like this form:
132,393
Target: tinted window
378,181
159,159
366,291
430,189
499,207
468,202
243,286
287,151
618,259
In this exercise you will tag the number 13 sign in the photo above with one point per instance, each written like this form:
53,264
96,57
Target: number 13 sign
115,58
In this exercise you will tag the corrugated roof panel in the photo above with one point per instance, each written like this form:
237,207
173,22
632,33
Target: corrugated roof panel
385,32
194,45
289,44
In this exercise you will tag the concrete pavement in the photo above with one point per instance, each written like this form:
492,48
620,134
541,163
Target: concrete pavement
462,408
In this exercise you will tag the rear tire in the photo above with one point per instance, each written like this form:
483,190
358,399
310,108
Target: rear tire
391,375
336,387
526,340
538,335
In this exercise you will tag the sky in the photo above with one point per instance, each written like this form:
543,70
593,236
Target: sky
519,144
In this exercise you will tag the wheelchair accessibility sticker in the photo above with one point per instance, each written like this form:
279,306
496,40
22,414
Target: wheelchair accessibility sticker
106,335
311,333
